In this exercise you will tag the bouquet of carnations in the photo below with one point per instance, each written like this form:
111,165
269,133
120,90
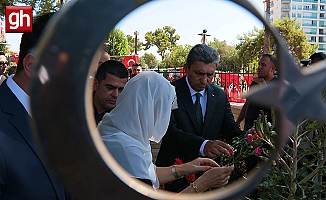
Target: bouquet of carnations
257,141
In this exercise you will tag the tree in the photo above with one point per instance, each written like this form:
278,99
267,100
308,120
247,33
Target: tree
131,44
250,49
39,7
178,56
164,39
227,55
4,48
295,38
162,64
251,45
149,59
117,43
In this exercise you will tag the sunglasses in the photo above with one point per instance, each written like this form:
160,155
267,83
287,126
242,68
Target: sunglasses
2,63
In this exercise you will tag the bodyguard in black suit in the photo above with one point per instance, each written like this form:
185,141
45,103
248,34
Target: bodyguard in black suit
186,139
23,175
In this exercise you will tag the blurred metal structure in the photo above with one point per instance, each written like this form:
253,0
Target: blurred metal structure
203,36
267,41
63,122
136,33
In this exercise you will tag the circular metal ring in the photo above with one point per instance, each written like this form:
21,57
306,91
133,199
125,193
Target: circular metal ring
69,143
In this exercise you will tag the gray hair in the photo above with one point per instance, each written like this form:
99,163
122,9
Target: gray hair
203,53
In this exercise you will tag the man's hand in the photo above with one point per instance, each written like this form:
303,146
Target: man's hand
215,148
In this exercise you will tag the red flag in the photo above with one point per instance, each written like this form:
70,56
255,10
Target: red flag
15,55
129,60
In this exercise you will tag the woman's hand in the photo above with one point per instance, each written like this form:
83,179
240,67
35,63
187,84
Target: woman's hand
167,174
215,177
197,165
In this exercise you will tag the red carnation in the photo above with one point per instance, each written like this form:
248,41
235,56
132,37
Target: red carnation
191,178
258,151
260,134
231,151
250,138
178,161
255,132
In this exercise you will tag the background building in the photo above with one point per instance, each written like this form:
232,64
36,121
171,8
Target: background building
310,13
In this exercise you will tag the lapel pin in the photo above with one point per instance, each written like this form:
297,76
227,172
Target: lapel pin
213,95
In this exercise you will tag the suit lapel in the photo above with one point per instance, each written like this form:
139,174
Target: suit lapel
210,105
185,98
20,118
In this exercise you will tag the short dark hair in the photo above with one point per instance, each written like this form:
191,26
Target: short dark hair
29,40
136,64
318,55
203,53
271,58
113,67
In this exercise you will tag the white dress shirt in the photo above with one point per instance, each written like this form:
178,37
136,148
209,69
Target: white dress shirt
203,101
19,93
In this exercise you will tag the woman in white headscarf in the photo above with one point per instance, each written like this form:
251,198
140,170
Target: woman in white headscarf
142,115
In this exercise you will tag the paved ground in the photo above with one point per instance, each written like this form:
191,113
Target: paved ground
236,108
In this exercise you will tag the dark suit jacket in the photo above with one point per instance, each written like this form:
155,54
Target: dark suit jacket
182,139
23,175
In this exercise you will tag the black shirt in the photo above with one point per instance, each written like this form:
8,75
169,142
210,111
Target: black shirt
253,111
99,116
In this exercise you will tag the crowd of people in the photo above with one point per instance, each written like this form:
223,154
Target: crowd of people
192,117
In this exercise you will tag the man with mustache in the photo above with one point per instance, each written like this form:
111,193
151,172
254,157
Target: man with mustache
197,131
109,81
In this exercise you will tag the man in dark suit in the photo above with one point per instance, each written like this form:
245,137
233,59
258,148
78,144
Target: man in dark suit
23,175
188,135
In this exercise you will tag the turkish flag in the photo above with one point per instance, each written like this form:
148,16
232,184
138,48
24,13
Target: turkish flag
129,60
15,56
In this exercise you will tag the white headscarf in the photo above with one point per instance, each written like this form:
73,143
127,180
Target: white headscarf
142,114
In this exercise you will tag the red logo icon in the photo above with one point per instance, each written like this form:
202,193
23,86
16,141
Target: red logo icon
19,19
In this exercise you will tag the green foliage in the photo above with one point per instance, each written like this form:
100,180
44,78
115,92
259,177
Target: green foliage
117,43
4,48
228,54
149,59
39,7
164,39
178,56
300,172
131,44
3,5
295,38
162,64
251,46
257,142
